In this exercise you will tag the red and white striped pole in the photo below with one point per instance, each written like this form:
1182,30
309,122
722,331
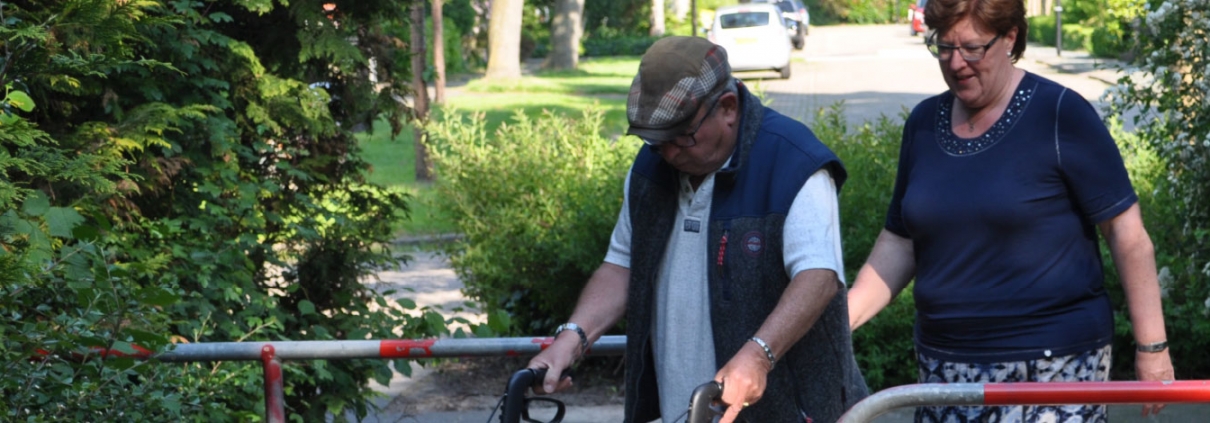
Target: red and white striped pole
1033,393
271,354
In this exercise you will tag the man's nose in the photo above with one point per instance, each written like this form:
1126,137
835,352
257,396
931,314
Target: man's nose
669,150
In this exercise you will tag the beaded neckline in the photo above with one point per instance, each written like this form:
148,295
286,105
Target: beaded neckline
958,146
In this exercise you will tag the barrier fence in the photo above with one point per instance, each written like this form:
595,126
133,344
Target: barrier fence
271,355
1034,393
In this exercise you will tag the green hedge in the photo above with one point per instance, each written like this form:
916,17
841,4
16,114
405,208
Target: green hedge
870,152
617,45
536,200
1099,40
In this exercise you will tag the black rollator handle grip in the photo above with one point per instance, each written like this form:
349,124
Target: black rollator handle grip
514,397
699,403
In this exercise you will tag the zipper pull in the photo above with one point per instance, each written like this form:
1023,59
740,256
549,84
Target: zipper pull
722,248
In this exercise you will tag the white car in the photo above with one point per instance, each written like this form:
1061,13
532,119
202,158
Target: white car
754,36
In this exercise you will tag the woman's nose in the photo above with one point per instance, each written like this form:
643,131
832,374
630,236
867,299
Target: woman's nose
956,61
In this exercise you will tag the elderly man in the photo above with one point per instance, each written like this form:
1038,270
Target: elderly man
726,258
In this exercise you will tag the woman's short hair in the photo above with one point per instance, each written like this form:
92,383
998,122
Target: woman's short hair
999,16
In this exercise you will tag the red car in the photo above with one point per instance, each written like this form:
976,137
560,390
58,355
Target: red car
916,17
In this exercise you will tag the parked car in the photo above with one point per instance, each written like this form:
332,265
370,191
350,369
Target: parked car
754,35
916,18
797,19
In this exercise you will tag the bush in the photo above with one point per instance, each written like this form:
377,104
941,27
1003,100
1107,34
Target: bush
870,152
1185,310
1108,41
607,41
536,200
1075,36
209,193
1098,39
1166,94
826,12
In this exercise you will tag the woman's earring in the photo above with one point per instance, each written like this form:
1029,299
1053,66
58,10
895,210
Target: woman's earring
1009,53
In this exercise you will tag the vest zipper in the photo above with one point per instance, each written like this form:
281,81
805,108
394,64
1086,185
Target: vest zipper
724,276
722,248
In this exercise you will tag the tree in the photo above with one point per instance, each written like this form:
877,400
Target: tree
504,40
420,106
190,170
657,18
566,29
439,51
680,9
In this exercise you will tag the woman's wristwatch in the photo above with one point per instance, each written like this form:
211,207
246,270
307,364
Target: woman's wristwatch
579,331
1153,347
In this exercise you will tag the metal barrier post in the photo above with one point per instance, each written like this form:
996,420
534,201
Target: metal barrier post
275,407
1028,393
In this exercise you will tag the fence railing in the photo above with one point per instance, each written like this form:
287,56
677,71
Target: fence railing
1048,393
271,355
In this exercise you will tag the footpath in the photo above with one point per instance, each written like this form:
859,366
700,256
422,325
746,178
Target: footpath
434,283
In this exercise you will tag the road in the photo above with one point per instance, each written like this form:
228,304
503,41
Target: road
878,70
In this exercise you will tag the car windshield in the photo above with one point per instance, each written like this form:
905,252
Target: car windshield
744,20
786,6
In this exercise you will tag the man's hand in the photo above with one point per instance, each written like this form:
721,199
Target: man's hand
557,357
1153,366
743,378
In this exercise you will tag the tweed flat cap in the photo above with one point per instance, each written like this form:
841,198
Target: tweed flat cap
676,75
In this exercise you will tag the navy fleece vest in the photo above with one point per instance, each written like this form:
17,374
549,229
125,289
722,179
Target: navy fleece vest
775,155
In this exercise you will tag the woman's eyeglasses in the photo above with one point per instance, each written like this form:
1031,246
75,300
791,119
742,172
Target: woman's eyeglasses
945,52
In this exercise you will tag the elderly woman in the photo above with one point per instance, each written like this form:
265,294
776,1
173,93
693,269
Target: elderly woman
1003,182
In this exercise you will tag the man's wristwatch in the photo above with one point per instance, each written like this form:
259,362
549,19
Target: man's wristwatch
579,331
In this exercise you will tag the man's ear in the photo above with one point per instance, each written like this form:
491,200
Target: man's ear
729,103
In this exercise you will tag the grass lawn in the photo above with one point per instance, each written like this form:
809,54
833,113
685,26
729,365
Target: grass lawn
602,83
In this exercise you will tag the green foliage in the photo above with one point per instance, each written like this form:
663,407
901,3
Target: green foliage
536,200
535,30
631,17
452,39
825,12
608,41
870,152
1104,30
1075,36
179,176
1167,94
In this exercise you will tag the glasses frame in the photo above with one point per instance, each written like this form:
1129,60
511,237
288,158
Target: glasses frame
945,52
655,145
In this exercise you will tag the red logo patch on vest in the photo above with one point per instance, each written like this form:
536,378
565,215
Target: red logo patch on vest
754,243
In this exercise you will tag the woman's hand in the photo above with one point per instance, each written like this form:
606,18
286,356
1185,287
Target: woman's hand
1153,366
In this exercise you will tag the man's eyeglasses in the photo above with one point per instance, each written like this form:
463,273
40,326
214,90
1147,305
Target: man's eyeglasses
687,139
945,52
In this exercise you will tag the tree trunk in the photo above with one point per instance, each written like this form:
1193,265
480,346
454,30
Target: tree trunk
504,40
657,18
680,9
439,51
420,94
565,32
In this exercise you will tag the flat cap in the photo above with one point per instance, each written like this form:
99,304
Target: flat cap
676,75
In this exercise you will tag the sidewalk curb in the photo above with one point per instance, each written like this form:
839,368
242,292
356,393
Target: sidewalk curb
428,239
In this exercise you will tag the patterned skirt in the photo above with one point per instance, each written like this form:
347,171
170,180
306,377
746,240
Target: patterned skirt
1089,366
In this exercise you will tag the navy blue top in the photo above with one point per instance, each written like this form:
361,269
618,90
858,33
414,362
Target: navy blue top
1003,226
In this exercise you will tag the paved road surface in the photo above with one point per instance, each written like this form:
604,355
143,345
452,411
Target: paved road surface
880,70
